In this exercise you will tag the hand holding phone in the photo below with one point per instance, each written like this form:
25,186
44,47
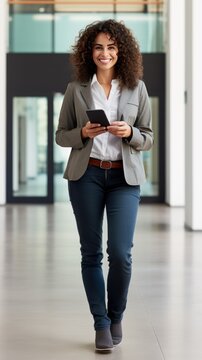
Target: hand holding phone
98,116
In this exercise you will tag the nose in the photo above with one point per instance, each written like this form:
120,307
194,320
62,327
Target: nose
105,51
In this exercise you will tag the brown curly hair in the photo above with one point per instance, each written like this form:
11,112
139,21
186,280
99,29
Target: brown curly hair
128,68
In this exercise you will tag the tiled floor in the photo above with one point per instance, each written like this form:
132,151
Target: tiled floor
43,310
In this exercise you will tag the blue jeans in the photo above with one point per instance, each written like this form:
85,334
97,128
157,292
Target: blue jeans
95,191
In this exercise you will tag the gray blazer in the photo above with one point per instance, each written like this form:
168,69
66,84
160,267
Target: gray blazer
134,108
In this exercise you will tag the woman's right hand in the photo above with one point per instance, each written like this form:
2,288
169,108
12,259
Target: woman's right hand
92,130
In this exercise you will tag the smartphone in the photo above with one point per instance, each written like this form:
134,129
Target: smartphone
98,116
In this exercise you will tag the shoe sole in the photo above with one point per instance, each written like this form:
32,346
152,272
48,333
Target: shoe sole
105,350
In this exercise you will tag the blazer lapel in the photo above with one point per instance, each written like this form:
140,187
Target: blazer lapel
125,96
86,94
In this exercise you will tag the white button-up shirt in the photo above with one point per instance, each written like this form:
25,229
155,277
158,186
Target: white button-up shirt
106,146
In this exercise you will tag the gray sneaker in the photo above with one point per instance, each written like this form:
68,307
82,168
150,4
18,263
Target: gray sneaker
103,340
116,332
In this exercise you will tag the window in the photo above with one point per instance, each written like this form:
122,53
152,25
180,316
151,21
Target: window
47,28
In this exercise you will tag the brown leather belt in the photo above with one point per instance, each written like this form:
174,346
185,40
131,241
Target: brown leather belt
105,164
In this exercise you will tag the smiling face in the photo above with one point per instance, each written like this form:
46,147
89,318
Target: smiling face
104,52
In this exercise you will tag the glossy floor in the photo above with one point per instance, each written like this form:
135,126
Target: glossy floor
43,310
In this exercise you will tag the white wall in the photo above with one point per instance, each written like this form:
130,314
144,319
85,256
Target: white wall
175,116
3,49
193,188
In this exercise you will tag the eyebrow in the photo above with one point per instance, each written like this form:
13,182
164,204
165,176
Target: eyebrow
102,44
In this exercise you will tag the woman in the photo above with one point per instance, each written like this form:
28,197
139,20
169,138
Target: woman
105,168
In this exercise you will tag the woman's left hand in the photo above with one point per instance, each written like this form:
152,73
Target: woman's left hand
120,129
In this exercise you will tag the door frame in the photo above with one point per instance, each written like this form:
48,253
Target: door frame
45,74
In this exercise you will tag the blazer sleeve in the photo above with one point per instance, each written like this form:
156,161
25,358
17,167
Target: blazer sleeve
68,133
142,134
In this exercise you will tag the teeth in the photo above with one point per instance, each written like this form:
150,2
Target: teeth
105,61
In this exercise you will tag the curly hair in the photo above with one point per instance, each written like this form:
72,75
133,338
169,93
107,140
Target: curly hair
129,68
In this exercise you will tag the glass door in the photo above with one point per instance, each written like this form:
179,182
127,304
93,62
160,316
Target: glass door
30,144
151,158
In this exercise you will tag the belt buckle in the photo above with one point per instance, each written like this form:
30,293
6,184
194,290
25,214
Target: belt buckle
106,167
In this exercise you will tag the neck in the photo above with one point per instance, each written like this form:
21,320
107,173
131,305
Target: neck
105,78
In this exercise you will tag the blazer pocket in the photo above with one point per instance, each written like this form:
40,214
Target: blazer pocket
130,113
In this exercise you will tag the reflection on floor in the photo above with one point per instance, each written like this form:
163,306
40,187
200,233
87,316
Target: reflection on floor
43,310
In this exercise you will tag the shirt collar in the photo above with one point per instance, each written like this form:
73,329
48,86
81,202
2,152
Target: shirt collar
95,80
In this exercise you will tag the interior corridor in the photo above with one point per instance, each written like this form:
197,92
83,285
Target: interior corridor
43,309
